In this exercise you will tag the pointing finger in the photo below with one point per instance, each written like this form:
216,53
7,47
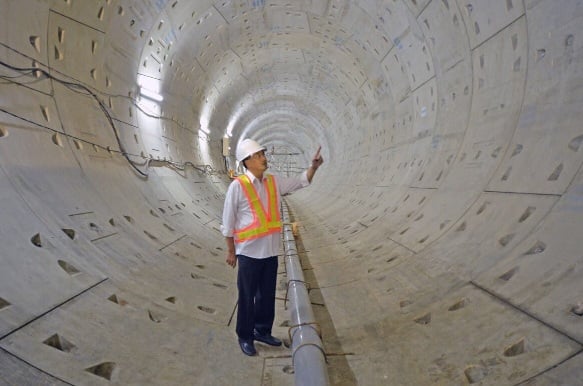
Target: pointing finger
318,152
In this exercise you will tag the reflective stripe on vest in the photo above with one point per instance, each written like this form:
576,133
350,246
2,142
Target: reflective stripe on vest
263,223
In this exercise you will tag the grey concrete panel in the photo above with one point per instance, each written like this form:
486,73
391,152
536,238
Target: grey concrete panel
454,95
15,371
25,34
547,263
98,331
395,73
442,25
414,54
483,21
544,154
490,359
84,120
566,373
38,270
486,234
425,108
68,55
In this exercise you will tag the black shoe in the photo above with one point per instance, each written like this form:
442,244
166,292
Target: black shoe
267,338
247,347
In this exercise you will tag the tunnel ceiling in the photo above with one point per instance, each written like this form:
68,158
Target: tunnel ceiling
240,66
441,238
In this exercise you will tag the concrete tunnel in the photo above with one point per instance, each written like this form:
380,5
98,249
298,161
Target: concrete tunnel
441,240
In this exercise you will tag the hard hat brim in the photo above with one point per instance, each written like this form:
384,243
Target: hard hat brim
247,148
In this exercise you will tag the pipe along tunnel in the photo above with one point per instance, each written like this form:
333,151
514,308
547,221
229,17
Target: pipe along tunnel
442,238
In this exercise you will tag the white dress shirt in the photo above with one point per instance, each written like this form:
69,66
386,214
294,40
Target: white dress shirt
237,213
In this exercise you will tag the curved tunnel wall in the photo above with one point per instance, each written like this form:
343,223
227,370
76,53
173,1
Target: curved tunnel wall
441,237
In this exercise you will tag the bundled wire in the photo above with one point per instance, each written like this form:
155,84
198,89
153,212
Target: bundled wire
81,88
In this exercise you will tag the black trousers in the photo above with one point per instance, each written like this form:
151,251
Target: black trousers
256,280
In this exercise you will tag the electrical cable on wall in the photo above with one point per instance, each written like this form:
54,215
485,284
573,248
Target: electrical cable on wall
80,88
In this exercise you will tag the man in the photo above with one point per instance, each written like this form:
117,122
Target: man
251,226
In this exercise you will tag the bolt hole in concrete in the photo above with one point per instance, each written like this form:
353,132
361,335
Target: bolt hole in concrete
45,113
506,174
288,369
556,173
391,259
59,343
574,145
538,247
3,303
526,214
517,150
206,309
515,349
425,319
3,132
459,305
405,303
36,74
36,240
35,42
103,370
57,140
70,269
482,208
156,317
506,239
475,374
150,235
577,308
69,232
115,299
508,275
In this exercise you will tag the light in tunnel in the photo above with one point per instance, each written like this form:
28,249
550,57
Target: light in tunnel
204,119
150,88
151,94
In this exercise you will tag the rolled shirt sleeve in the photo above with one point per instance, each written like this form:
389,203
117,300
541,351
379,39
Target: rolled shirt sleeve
291,184
230,210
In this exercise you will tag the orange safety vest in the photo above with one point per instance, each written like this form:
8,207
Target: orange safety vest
263,223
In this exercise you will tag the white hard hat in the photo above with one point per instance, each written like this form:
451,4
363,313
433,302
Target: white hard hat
246,148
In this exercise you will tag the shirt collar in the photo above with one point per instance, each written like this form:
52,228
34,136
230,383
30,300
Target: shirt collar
252,177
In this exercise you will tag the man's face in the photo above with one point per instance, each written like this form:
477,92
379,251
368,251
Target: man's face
257,162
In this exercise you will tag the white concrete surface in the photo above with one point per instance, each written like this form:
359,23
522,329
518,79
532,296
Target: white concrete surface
442,238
